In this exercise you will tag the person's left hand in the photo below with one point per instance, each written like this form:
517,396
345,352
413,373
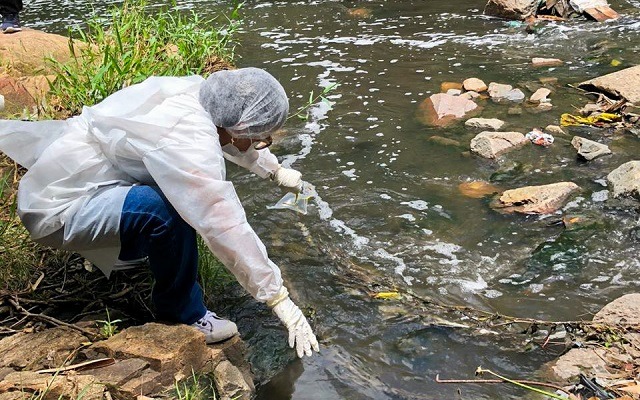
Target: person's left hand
288,178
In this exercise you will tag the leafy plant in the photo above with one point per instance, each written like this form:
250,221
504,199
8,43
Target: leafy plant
193,390
108,327
132,45
303,111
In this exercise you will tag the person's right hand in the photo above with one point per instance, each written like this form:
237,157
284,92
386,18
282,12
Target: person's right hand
300,334
289,179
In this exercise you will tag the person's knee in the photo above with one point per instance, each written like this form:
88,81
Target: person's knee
154,213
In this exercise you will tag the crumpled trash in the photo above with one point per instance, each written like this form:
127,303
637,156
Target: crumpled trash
540,138
594,119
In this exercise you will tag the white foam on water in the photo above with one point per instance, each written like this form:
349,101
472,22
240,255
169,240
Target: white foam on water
400,265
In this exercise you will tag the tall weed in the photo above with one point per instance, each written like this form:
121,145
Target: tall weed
133,44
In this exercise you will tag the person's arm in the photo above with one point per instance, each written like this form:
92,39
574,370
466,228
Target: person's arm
191,176
264,164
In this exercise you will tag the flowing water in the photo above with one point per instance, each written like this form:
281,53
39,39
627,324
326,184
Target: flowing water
389,210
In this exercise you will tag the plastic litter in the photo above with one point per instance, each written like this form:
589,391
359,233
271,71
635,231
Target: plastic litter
387,295
296,201
594,119
540,138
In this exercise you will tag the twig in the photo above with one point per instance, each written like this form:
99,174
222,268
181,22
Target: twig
49,319
522,385
526,382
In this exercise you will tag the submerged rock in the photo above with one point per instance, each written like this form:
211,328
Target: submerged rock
543,199
625,180
477,189
492,144
588,149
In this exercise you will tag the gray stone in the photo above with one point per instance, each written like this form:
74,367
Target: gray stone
624,83
230,382
510,9
492,144
554,130
505,93
470,95
474,85
588,148
625,180
543,199
454,92
484,123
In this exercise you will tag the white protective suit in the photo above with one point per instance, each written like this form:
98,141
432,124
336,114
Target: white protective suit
152,133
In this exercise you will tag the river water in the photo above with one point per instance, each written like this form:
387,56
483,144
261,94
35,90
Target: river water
389,212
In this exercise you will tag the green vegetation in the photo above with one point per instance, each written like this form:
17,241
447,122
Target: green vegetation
108,327
135,45
192,389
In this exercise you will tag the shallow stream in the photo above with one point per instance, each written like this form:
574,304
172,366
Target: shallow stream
389,208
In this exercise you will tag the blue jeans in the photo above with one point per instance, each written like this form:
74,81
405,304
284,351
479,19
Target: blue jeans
150,226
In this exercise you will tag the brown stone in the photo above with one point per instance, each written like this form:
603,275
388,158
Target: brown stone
442,109
548,80
510,9
24,54
624,309
546,62
543,199
359,12
444,141
148,383
120,372
50,348
56,387
171,350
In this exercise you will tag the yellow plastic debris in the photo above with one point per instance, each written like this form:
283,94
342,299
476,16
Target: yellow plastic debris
387,295
572,120
615,63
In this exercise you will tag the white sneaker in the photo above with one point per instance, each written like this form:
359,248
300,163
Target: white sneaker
215,329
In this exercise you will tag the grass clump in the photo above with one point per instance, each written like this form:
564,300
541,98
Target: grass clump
133,44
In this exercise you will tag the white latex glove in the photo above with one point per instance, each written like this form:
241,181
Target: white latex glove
288,178
300,333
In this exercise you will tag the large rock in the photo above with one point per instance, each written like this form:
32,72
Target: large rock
624,309
148,360
588,149
172,350
49,348
597,361
492,144
511,9
442,109
622,84
625,180
501,93
544,199
24,54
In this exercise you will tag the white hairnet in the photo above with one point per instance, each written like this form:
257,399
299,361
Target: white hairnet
247,102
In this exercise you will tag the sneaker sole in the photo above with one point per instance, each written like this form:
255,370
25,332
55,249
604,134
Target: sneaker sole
12,30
